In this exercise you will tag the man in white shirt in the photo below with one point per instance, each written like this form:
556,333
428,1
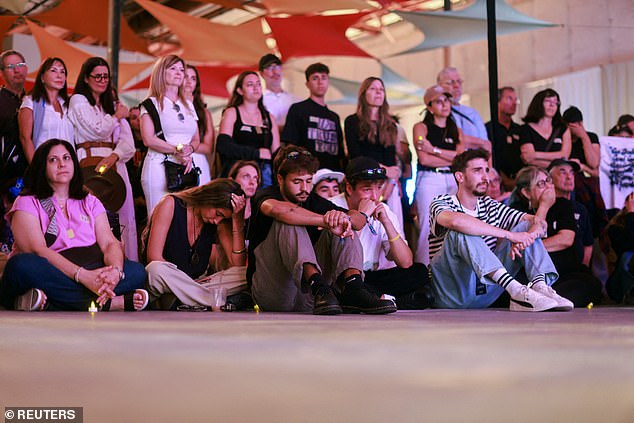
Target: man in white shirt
387,259
276,100
467,118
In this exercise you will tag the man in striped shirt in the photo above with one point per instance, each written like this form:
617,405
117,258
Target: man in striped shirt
478,246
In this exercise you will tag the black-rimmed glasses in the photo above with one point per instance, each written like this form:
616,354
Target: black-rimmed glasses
100,77
542,183
180,116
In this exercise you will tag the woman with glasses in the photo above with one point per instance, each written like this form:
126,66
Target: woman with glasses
372,132
177,115
206,132
247,130
437,140
44,112
535,193
103,137
544,136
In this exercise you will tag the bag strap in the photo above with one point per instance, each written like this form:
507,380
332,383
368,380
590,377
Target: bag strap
52,230
555,132
156,120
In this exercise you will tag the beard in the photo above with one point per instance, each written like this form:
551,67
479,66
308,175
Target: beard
480,190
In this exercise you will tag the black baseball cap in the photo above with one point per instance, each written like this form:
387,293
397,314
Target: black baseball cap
561,162
268,60
366,169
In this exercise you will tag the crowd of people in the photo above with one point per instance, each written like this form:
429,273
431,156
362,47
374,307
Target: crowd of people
153,207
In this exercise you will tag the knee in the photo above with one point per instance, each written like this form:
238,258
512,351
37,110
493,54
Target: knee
155,268
134,272
23,264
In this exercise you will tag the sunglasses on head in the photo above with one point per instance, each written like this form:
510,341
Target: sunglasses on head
379,171
177,109
294,155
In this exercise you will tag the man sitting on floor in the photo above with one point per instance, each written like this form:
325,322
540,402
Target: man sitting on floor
478,246
293,265
387,259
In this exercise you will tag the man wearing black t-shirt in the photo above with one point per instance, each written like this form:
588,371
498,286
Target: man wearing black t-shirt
310,124
301,246
506,145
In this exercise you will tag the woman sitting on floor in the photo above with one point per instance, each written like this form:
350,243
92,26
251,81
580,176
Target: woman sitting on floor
73,259
179,239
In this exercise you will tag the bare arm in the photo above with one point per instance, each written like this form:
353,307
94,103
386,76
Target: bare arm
399,252
161,220
206,144
25,121
428,155
275,131
560,241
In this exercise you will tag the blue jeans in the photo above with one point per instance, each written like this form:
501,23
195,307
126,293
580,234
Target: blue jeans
458,270
26,271
621,281
267,174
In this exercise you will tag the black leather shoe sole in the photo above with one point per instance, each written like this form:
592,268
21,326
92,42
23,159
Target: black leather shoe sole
327,310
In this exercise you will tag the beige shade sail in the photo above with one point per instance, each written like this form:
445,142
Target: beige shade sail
204,41
51,46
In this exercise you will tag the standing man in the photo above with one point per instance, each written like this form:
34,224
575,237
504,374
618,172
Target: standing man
303,254
467,118
506,145
14,70
276,100
311,125
478,246
388,262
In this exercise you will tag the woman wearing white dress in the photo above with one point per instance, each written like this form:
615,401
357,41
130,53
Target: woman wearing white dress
44,112
178,122
206,132
101,130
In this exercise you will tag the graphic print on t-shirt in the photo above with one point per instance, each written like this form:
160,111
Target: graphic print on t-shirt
324,134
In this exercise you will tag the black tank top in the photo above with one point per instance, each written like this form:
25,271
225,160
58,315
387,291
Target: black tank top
438,137
250,135
194,259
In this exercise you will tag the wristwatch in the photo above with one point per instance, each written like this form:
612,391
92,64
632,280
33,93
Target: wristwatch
121,273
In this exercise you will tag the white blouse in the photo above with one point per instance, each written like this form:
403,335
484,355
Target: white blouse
176,131
54,125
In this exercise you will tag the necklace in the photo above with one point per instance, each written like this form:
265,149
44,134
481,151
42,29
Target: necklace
194,259
62,205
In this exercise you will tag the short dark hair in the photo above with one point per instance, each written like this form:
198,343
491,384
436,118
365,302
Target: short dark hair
316,68
460,162
501,91
8,53
35,181
292,159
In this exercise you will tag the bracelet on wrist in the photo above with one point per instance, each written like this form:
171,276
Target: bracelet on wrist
76,277
394,239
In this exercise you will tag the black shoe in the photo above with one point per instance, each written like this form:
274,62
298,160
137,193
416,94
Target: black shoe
325,301
415,300
356,298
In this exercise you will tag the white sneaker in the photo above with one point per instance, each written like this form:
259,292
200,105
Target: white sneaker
563,304
531,300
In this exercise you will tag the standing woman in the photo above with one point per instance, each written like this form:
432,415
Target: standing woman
437,140
65,254
206,132
544,136
179,124
44,112
101,130
247,130
372,132
180,237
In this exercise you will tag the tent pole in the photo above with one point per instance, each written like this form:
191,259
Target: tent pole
493,69
447,50
114,29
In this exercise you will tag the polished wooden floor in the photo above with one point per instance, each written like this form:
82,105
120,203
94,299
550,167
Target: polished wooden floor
427,366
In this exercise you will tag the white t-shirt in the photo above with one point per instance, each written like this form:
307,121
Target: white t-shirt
176,131
278,104
375,247
54,125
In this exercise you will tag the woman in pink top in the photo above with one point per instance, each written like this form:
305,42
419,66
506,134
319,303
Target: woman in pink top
65,255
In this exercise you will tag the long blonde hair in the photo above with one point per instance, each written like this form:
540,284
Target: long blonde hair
157,79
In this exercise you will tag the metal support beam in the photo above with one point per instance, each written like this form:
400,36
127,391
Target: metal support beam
114,42
493,67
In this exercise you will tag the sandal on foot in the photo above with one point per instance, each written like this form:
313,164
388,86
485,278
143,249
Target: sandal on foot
128,300
31,300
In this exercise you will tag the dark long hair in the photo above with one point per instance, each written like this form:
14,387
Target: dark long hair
35,181
237,98
199,106
385,125
81,86
39,91
535,110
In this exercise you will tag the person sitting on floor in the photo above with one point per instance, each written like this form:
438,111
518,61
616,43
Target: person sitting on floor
575,281
65,255
326,183
179,239
478,245
620,236
293,266
387,259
